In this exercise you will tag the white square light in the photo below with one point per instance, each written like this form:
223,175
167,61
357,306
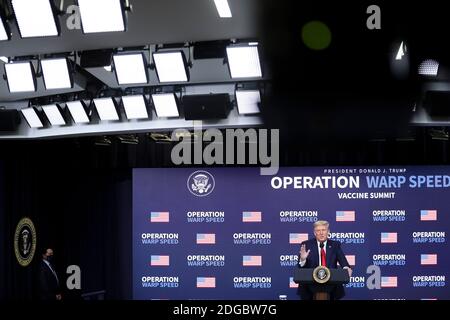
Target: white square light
3,34
56,74
54,115
429,67
78,111
32,118
130,68
35,18
106,109
244,62
223,8
165,105
247,101
20,77
135,107
101,16
170,66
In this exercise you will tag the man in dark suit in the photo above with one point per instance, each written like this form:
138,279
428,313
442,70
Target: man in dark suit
49,288
321,251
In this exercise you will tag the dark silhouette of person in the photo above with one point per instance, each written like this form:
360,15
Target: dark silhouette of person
49,283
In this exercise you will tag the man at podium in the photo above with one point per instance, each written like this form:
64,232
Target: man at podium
321,251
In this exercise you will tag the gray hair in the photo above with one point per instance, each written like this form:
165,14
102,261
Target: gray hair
321,223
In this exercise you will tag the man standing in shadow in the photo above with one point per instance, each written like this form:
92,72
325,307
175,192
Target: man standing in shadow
49,286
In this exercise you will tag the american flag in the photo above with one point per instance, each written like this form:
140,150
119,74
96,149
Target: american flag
160,261
206,238
428,215
206,282
351,259
428,259
389,237
292,284
252,261
159,217
251,216
389,282
344,216
297,238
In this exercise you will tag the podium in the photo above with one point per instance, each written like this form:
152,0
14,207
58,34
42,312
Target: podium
321,280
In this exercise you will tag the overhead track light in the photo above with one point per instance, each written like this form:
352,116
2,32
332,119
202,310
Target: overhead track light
130,68
57,74
171,66
54,114
20,77
32,117
165,105
35,18
79,111
135,107
102,15
107,109
243,61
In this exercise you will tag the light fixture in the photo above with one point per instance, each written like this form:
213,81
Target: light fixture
20,76
243,61
54,114
171,66
429,67
32,117
56,73
4,59
247,101
128,139
102,15
130,68
4,32
35,18
223,8
165,105
135,107
79,111
107,109
401,52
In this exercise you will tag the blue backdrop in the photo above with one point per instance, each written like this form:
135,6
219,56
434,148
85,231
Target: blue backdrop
229,233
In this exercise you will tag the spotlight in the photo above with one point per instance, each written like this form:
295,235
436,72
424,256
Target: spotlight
107,109
54,115
35,18
247,101
171,66
20,76
130,68
56,73
102,15
223,8
103,141
429,67
243,61
135,107
32,117
79,111
165,105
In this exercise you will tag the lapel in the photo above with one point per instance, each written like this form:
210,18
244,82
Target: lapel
315,254
329,253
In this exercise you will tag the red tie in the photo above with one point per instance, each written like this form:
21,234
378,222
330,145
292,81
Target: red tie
323,257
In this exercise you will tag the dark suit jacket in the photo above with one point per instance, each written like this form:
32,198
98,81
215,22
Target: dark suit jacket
48,285
334,254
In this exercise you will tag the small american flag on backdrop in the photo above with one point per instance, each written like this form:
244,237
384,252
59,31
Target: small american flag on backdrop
297,238
206,238
161,261
428,259
251,216
206,282
428,215
345,216
389,282
292,284
252,261
159,216
389,237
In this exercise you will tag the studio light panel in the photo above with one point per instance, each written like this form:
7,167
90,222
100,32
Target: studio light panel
170,66
20,76
32,118
54,115
3,33
135,107
102,16
243,62
130,68
106,109
78,111
35,18
165,105
56,74
248,101
223,8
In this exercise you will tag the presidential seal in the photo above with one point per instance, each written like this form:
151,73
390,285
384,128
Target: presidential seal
201,183
321,274
25,242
